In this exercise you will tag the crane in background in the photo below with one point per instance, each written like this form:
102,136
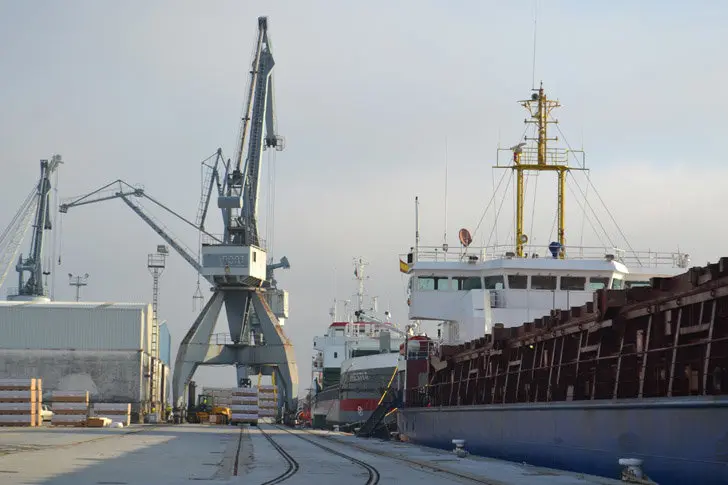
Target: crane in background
236,263
34,212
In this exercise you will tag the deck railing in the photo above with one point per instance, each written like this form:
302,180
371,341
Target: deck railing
646,259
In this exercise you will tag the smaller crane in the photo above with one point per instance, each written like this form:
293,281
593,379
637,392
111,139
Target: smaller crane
32,287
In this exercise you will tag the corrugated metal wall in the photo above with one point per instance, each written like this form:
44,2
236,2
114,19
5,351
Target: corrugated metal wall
165,343
81,326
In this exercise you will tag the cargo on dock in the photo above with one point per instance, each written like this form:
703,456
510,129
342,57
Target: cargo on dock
104,348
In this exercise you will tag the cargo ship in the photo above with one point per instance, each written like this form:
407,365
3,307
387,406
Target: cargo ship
623,355
353,363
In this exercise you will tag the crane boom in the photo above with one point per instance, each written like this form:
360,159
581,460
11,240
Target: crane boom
171,241
124,192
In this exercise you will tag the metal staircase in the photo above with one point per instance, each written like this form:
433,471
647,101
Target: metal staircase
387,403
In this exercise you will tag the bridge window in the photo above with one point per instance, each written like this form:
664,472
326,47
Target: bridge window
494,282
636,284
540,282
429,283
617,284
573,283
598,283
468,283
517,282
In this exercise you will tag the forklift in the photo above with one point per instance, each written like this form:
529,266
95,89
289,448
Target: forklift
206,412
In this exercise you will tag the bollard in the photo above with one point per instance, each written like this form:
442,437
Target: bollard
459,450
632,470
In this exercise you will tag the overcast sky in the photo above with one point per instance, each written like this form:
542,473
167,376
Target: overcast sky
366,94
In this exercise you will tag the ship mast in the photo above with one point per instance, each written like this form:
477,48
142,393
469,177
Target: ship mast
540,158
359,264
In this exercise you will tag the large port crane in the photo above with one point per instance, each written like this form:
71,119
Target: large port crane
235,264
34,212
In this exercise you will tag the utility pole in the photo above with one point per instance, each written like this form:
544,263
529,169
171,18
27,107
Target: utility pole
78,282
156,263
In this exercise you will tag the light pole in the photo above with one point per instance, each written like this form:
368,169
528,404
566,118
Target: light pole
78,282
155,264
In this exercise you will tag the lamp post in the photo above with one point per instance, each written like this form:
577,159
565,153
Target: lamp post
78,282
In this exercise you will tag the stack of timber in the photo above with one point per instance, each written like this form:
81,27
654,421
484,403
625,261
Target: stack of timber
115,412
70,408
267,403
221,396
20,402
244,405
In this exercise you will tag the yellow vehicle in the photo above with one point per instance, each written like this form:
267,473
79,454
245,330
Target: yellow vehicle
207,412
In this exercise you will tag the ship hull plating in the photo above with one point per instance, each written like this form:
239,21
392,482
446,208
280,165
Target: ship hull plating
354,401
681,440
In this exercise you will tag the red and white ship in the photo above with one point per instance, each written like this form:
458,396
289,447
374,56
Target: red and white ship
353,363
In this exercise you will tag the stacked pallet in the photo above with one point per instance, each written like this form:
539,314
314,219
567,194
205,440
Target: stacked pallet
244,405
70,408
267,403
117,413
19,402
220,396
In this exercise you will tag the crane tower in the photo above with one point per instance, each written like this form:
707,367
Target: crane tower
30,269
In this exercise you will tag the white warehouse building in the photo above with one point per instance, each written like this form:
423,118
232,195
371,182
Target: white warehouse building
105,348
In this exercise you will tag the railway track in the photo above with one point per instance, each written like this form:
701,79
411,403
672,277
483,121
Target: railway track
293,466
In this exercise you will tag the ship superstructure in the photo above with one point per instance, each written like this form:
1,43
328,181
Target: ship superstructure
520,282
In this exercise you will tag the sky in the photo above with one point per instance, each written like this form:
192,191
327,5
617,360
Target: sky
377,101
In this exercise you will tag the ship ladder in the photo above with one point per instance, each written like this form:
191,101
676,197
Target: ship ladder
386,406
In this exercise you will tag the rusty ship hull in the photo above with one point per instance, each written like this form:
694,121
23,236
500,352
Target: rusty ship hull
638,373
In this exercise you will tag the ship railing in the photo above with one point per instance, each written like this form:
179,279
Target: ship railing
221,339
15,291
632,259
212,239
529,156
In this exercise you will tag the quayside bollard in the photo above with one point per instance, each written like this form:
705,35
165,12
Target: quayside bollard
459,450
632,471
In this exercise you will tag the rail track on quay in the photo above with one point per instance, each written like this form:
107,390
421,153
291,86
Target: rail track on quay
293,465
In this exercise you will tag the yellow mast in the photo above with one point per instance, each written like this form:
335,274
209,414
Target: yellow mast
542,158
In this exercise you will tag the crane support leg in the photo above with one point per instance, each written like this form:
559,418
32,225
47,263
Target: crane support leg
194,348
281,351
275,355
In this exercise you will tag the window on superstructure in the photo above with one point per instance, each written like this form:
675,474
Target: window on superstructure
429,283
617,284
517,282
636,284
598,283
540,282
572,283
465,283
425,284
494,282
